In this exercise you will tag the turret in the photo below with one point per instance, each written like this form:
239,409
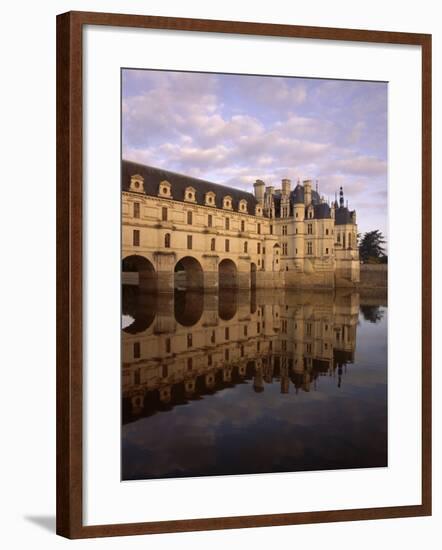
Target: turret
341,197
259,187
307,192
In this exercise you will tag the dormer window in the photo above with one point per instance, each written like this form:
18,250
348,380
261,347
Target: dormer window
243,205
136,183
258,210
190,194
227,202
210,198
165,189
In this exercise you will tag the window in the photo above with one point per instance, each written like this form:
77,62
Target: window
164,213
189,217
245,247
284,230
212,244
227,223
310,229
213,337
296,251
258,327
189,242
189,340
137,350
242,351
168,348
309,248
226,333
271,229
339,237
296,215
165,371
136,209
226,354
258,248
284,249
227,245
326,231
136,237
349,240
137,378
210,220
308,328
167,240
259,228
326,250
245,330
243,226
209,360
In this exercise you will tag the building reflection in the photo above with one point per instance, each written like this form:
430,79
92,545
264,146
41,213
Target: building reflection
176,349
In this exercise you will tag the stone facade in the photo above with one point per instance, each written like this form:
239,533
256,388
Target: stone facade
182,232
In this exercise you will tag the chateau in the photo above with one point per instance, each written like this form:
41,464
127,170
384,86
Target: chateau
180,232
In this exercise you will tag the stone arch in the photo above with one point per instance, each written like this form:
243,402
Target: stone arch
139,308
189,274
138,270
188,307
227,304
227,274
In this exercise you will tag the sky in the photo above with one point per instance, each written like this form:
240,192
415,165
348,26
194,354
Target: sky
235,129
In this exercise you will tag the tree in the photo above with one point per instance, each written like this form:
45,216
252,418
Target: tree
371,249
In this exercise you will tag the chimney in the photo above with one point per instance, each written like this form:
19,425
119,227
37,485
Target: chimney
286,186
259,186
307,192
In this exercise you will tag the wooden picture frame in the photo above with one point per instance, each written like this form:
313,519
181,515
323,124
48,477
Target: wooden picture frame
70,272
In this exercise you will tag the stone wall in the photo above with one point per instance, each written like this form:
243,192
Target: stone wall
317,279
374,276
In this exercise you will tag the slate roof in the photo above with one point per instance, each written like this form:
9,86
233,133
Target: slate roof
343,216
179,182
297,195
322,210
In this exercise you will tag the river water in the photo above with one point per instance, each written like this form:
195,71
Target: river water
248,383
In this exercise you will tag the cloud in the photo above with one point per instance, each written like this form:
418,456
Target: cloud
233,129
360,165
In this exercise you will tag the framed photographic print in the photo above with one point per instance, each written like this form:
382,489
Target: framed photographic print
243,274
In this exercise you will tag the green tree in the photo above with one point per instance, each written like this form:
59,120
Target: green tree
371,249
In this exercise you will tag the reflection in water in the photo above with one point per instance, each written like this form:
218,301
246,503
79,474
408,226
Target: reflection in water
251,383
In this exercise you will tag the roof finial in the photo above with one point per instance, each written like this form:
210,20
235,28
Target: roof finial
341,197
